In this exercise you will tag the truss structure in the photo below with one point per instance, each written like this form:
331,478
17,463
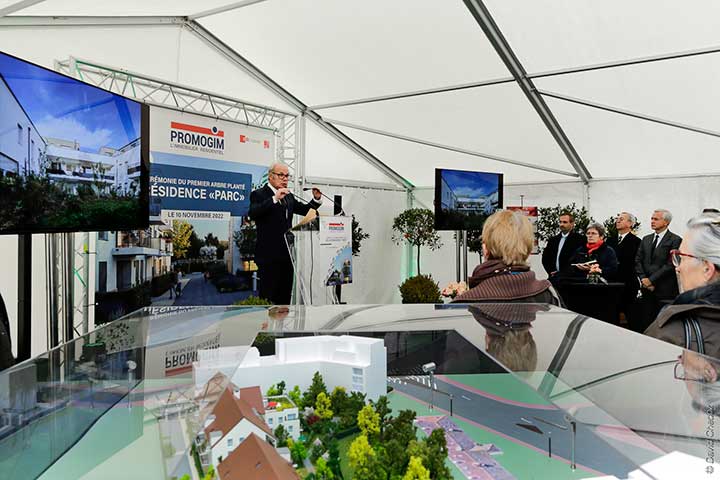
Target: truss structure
161,93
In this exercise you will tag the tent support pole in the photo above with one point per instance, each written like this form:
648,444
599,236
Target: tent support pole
229,53
482,15
629,113
451,148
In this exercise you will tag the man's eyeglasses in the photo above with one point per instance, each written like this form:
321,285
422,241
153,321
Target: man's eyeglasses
676,257
282,175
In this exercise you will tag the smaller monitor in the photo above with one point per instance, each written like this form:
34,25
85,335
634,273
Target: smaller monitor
465,199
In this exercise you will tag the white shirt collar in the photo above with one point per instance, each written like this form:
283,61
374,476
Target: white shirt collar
274,190
564,235
661,235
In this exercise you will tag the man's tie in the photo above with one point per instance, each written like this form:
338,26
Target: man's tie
654,245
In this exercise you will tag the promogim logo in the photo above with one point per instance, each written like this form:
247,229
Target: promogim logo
194,136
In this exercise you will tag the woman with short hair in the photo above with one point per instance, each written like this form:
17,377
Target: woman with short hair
595,256
505,275
693,319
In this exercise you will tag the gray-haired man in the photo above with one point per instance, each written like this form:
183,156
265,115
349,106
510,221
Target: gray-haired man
654,268
626,245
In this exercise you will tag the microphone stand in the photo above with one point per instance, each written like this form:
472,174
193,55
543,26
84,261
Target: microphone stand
342,210
338,287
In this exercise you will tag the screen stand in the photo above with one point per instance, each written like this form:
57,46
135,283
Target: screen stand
461,256
24,307
458,235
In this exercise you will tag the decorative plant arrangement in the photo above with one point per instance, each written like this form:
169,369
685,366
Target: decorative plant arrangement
454,289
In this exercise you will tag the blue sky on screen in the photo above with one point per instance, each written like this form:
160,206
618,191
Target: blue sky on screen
63,108
470,185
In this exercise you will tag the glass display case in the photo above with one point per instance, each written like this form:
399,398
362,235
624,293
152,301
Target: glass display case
516,391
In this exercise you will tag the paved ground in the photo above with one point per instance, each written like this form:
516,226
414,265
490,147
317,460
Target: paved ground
196,291
472,460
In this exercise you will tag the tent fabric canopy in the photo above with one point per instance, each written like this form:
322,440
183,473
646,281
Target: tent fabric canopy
418,84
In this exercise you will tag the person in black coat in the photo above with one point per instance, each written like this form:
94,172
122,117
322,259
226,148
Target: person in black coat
595,249
567,242
272,208
654,269
626,245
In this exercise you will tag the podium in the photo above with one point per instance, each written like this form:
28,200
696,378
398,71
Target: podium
320,249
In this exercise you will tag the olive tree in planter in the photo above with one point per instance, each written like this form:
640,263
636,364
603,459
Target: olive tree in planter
417,227
547,222
357,237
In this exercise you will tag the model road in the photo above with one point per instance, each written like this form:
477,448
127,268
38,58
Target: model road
590,450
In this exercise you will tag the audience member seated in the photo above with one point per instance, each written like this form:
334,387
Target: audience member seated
692,320
505,276
597,251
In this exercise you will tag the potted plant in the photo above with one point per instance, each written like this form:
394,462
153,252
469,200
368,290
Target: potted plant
420,289
357,237
417,227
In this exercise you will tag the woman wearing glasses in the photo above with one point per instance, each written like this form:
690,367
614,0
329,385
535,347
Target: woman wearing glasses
693,319
595,258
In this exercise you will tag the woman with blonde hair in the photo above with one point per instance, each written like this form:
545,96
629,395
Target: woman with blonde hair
505,275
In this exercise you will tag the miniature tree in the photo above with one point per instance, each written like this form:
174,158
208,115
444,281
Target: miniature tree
369,421
363,460
382,407
338,399
437,453
399,433
322,471
298,452
323,406
281,435
296,396
416,470
281,387
355,402
316,387
333,461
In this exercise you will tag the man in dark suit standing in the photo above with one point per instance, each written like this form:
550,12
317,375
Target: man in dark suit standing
654,269
272,208
561,247
626,245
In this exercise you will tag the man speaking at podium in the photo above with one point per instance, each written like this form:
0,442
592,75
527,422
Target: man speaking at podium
272,208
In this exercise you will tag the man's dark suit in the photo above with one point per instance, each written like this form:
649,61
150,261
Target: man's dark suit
573,241
626,252
656,266
271,253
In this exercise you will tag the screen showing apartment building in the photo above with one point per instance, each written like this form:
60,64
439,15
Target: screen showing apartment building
465,199
73,157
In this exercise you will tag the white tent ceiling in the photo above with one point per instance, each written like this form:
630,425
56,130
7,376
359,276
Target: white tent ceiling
328,52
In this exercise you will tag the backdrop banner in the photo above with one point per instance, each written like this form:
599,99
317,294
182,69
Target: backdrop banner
201,174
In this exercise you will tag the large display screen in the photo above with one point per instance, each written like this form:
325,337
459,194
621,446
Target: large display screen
464,199
73,157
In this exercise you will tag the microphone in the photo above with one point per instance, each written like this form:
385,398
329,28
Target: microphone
342,210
